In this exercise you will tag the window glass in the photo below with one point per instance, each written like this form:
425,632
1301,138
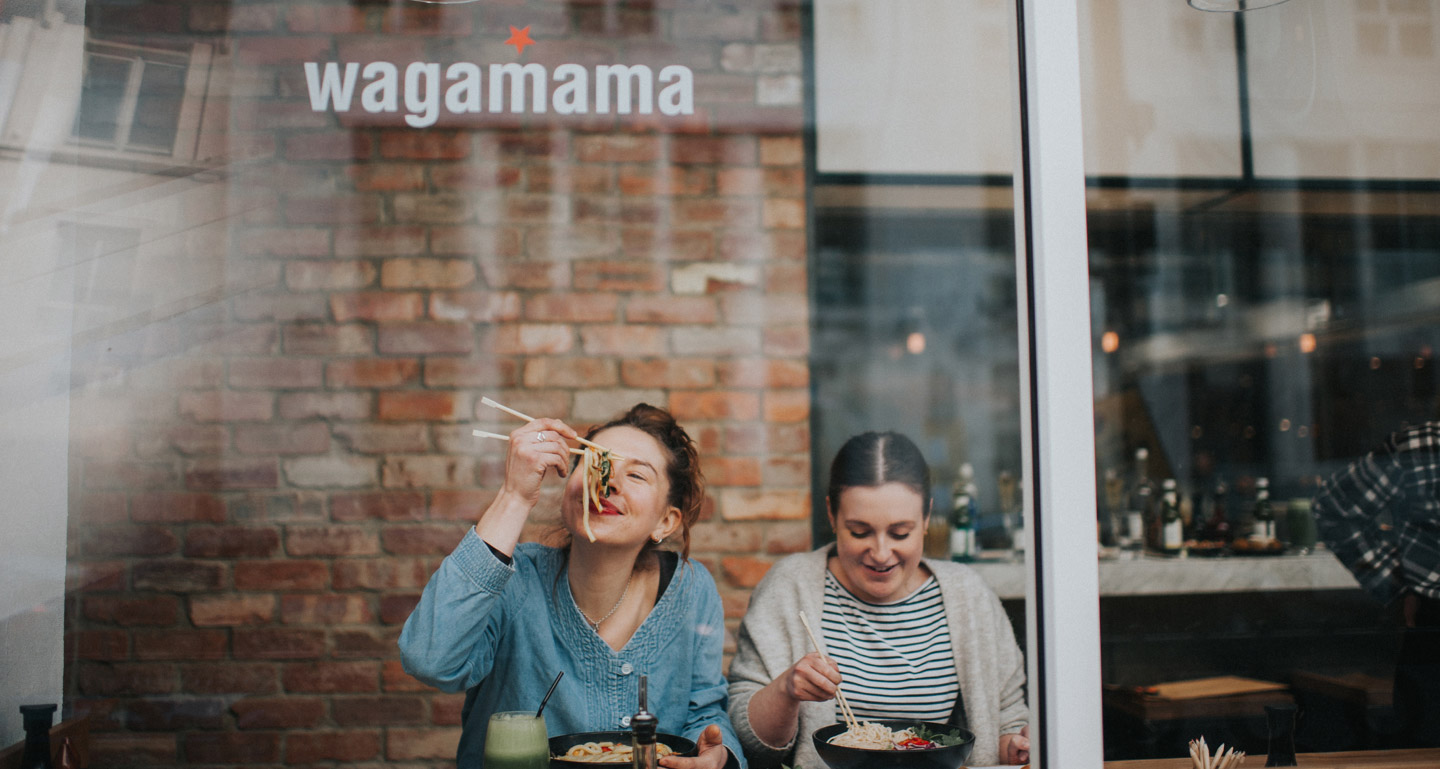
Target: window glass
1263,355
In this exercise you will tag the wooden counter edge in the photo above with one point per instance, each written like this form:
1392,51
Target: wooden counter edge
1408,758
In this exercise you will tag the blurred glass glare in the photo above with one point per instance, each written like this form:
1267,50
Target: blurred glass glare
1231,6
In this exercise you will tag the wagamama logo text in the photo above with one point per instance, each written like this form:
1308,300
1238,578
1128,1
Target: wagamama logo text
568,90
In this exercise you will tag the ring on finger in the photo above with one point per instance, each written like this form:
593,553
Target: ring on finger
539,437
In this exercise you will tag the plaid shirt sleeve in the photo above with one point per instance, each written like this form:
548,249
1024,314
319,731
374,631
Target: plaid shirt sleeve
1398,478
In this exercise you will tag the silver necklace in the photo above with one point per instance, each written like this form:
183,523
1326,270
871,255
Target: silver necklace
595,623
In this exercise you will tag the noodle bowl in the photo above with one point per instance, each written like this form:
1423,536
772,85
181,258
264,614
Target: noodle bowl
610,752
873,746
564,747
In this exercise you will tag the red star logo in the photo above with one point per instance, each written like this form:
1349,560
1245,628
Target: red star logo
520,38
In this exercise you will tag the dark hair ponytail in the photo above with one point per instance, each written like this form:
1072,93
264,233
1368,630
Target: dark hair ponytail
875,459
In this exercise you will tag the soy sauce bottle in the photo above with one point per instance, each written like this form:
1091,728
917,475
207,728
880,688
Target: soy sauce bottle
642,727
37,719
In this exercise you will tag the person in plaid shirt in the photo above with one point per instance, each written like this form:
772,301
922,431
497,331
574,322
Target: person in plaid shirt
1381,518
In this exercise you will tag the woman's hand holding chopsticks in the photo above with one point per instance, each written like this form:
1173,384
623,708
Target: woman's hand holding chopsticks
533,451
813,678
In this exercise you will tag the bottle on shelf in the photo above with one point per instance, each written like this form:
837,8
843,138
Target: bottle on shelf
1172,524
1138,508
1262,513
962,516
1112,512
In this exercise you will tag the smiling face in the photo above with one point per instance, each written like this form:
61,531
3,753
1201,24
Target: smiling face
879,540
637,508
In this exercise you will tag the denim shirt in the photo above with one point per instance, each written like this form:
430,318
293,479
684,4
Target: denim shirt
502,632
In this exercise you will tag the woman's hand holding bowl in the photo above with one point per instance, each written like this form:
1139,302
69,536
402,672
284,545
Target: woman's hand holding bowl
709,753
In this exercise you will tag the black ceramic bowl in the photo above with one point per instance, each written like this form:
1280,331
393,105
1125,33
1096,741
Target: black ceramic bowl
562,743
840,757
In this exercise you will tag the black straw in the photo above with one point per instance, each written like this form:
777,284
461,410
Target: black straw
546,698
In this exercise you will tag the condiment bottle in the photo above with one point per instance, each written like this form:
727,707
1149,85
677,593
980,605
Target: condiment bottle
642,727
37,719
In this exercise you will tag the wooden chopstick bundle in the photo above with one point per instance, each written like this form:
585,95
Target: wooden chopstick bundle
513,412
851,722
1201,757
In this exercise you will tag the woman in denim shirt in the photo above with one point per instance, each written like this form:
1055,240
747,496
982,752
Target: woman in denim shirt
499,619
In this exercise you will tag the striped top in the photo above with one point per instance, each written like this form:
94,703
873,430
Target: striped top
895,658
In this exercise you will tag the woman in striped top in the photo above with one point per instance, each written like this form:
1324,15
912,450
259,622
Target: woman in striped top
911,638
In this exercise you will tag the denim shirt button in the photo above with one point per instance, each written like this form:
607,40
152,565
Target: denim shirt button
625,670
625,722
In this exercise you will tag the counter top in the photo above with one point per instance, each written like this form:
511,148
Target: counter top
1155,575
1414,758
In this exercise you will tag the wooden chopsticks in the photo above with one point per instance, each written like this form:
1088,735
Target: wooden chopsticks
850,721
513,412
486,434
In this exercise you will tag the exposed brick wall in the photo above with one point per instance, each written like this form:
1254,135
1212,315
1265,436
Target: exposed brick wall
265,478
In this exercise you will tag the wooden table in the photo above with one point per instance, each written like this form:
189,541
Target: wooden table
1416,758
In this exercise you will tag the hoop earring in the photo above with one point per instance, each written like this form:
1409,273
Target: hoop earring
658,541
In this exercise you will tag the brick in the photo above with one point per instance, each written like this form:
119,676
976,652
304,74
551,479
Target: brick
123,749
288,712
668,373
166,715
615,275
277,643
488,244
314,747
759,439
281,49
665,180
716,342
433,338
330,541
128,475
369,643
148,541
188,440
787,472
753,308
281,575
382,439
337,406
387,177
428,22
779,504
177,576
427,273
129,611
282,241
231,609
726,537
378,505
432,208
236,473
225,406
378,241
433,539
326,19
176,507
727,212
787,341
396,608
103,508
274,373
331,677
415,744
186,645
530,339
424,145
617,148
372,372
786,538
787,405
285,439
445,709
377,306
570,372
763,373
329,275
700,310
328,145
326,339
636,341
234,748
337,209
325,610
125,679
715,150
569,307
256,306
378,711
384,573
744,571
394,679
427,472
98,644
714,404
94,576
733,471
420,405
603,405
229,678
475,306
473,372
231,542
783,214
459,504
331,471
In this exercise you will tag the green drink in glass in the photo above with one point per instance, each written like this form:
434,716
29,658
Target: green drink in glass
516,739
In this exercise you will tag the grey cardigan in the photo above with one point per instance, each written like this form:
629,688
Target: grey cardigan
989,663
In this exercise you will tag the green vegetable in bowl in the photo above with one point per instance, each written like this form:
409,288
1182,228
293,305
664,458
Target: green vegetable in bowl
943,739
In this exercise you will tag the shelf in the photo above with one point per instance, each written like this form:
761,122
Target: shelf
1153,575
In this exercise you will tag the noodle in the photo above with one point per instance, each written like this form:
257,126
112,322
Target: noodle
597,467
872,736
609,752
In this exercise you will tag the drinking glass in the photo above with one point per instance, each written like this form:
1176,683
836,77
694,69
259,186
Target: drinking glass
515,739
